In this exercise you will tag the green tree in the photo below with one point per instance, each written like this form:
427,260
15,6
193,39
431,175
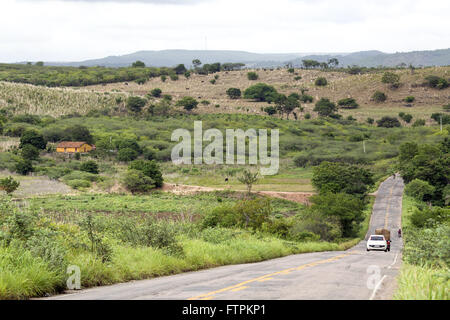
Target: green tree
150,169
137,182
33,138
248,178
348,209
196,63
325,108
341,177
348,103
261,92
127,154
391,78
24,167
188,103
388,122
180,69
9,185
29,152
234,93
78,133
420,190
138,64
135,104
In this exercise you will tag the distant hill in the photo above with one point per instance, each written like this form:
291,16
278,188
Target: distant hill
378,58
171,58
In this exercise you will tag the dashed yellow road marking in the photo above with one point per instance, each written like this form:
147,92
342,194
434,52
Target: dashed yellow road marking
242,285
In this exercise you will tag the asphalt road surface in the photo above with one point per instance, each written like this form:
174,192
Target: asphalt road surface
351,274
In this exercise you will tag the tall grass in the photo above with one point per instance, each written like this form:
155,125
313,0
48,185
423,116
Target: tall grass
423,283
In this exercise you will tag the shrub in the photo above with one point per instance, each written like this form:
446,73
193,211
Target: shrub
307,116
438,116
212,81
135,104
188,103
429,217
427,246
297,78
436,82
270,110
391,78
379,96
409,99
156,92
9,185
29,152
446,107
348,103
420,190
321,82
161,235
174,77
291,70
89,166
150,168
252,76
79,183
34,138
24,167
180,69
163,78
405,117
325,108
388,122
253,213
370,120
234,93
127,154
261,92
222,216
137,182
419,123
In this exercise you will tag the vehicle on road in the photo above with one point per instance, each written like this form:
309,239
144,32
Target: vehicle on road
377,242
387,236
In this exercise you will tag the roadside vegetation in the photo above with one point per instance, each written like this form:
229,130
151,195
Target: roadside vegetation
426,222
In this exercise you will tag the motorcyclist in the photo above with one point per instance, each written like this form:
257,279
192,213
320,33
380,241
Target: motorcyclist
388,245
399,233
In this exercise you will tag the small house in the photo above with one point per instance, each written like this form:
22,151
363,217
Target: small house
74,147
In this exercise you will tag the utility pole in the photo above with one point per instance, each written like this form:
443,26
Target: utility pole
364,145
441,121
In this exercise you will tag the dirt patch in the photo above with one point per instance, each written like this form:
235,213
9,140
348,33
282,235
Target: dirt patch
299,197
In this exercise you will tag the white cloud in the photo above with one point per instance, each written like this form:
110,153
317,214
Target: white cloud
78,29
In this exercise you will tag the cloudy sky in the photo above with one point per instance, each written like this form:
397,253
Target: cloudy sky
72,30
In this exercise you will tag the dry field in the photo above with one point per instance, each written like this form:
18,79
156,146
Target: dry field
22,98
340,85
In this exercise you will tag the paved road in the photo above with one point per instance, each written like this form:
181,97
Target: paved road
351,274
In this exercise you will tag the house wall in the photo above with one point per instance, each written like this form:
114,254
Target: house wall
83,148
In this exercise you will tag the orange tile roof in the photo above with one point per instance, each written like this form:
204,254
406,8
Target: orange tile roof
70,144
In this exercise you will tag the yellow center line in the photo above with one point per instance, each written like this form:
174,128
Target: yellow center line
241,286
